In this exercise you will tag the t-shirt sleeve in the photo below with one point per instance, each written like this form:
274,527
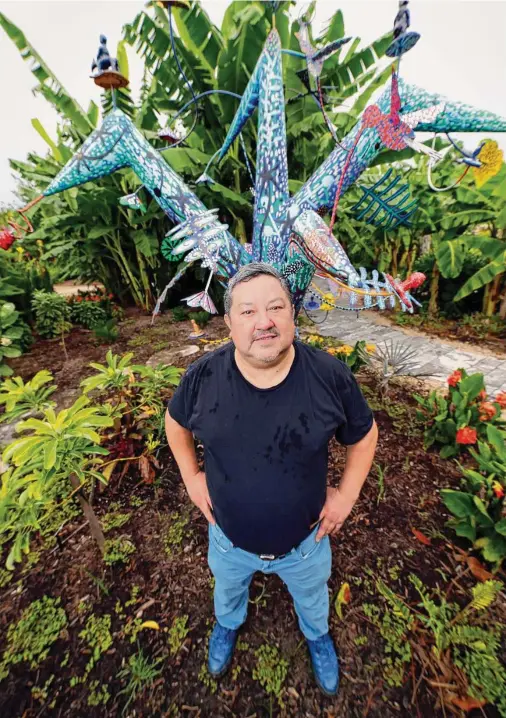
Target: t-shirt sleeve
181,404
358,416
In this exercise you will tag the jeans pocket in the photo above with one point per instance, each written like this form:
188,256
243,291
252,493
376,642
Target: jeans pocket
309,546
220,541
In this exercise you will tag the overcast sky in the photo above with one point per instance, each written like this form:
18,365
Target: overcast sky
462,54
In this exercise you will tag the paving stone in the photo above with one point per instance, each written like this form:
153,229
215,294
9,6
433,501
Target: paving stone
435,357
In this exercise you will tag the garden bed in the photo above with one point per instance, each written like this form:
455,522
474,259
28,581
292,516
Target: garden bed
396,529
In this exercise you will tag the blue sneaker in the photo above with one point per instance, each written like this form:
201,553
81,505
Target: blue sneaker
221,649
325,664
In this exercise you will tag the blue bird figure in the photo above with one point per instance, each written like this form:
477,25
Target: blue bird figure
103,60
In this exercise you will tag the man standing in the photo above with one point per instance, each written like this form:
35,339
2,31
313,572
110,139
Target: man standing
265,408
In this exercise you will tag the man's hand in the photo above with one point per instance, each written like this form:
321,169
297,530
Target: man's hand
336,510
198,493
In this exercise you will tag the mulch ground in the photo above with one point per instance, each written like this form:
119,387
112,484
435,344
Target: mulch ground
376,542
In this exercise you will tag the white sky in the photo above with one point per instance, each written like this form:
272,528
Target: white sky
462,54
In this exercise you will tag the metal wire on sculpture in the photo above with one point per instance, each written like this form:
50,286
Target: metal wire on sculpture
288,231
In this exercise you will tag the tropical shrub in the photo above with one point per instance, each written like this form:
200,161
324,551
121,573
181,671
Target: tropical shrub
479,510
179,313
87,314
107,333
12,329
61,453
139,395
202,318
52,314
20,278
20,398
92,308
459,418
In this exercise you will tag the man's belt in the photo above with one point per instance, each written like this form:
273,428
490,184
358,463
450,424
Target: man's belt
270,556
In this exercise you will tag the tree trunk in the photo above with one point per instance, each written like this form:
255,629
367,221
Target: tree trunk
491,296
434,290
502,307
94,523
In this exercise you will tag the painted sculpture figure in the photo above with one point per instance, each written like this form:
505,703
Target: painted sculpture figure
288,232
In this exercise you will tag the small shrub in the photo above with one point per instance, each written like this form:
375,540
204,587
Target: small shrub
52,314
179,314
97,634
87,314
31,638
175,533
107,333
270,670
114,520
459,418
21,397
118,550
12,330
178,633
202,318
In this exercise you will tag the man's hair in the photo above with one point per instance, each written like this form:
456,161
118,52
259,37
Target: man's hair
248,272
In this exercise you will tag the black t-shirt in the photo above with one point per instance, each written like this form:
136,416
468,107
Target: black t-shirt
266,450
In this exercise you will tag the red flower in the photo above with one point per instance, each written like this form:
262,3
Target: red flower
454,379
482,395
487,411
501,399
466,435
498,489
6,238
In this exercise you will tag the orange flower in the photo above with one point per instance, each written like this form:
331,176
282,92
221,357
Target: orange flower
482,395
487,411
466,435
454,379
501,399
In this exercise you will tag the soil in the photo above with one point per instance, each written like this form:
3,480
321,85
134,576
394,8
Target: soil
454,331
377,541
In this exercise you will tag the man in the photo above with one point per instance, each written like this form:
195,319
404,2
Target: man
265,408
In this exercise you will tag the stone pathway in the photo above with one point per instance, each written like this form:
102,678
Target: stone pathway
437,358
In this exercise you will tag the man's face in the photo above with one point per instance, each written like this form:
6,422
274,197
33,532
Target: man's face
261,319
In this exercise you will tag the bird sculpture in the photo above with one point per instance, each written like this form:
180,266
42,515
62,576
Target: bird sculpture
404,39
105,69
103,60
396,130
315,58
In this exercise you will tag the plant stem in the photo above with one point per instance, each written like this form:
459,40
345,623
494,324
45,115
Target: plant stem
94,523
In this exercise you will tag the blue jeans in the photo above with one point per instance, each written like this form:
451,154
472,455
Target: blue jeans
305,571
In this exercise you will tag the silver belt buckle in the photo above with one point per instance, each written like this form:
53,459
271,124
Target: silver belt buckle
267,557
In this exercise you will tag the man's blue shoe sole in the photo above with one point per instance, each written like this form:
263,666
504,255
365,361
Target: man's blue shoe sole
220,673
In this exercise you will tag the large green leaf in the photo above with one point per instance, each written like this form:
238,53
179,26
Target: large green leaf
49,85
458,503
37,125
482,277
450,258
146,243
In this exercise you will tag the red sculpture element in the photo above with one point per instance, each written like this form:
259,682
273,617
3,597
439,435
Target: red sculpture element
6,238
402,288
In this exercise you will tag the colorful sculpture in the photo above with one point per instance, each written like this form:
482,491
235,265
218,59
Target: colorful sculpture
288,232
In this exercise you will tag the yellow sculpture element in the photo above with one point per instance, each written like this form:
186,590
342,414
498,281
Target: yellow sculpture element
491,158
